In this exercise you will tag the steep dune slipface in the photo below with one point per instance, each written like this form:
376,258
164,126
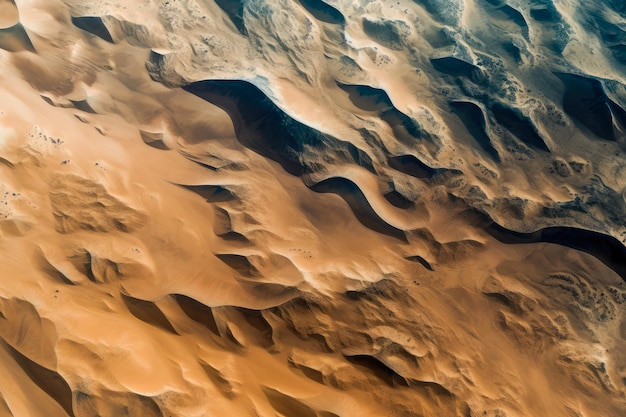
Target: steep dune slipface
312,208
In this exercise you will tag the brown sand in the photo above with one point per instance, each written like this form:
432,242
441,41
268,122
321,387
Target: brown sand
310,233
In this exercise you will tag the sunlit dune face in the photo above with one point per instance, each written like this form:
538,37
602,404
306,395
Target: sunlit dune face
312,208
9,15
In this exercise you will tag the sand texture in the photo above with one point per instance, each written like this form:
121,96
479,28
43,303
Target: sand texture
312,208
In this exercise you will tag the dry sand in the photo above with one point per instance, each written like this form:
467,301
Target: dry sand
312,208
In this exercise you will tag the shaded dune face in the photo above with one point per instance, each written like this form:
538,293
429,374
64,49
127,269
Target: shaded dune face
312,208
13,37
234,11
474,120
94,25
323,11
586,100
265,128
604,247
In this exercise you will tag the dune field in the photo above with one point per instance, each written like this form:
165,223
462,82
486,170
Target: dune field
312,208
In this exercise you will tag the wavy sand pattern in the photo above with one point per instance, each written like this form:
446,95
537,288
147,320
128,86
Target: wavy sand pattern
312,208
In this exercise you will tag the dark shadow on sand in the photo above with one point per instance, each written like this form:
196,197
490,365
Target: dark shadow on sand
603,247
361,208
323,11
266,129
94,25
474,120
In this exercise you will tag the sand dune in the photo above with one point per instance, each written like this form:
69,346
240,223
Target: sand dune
312,208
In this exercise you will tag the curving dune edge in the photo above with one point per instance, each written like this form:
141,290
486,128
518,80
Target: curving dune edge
312,208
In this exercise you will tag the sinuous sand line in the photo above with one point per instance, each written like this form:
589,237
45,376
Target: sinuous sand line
312,208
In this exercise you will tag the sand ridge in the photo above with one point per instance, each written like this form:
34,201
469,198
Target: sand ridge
312,208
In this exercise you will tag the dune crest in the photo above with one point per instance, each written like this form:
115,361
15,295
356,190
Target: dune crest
312,208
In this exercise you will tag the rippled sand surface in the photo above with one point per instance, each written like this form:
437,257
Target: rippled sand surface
312,208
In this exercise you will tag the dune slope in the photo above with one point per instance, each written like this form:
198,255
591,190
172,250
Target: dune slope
312,208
